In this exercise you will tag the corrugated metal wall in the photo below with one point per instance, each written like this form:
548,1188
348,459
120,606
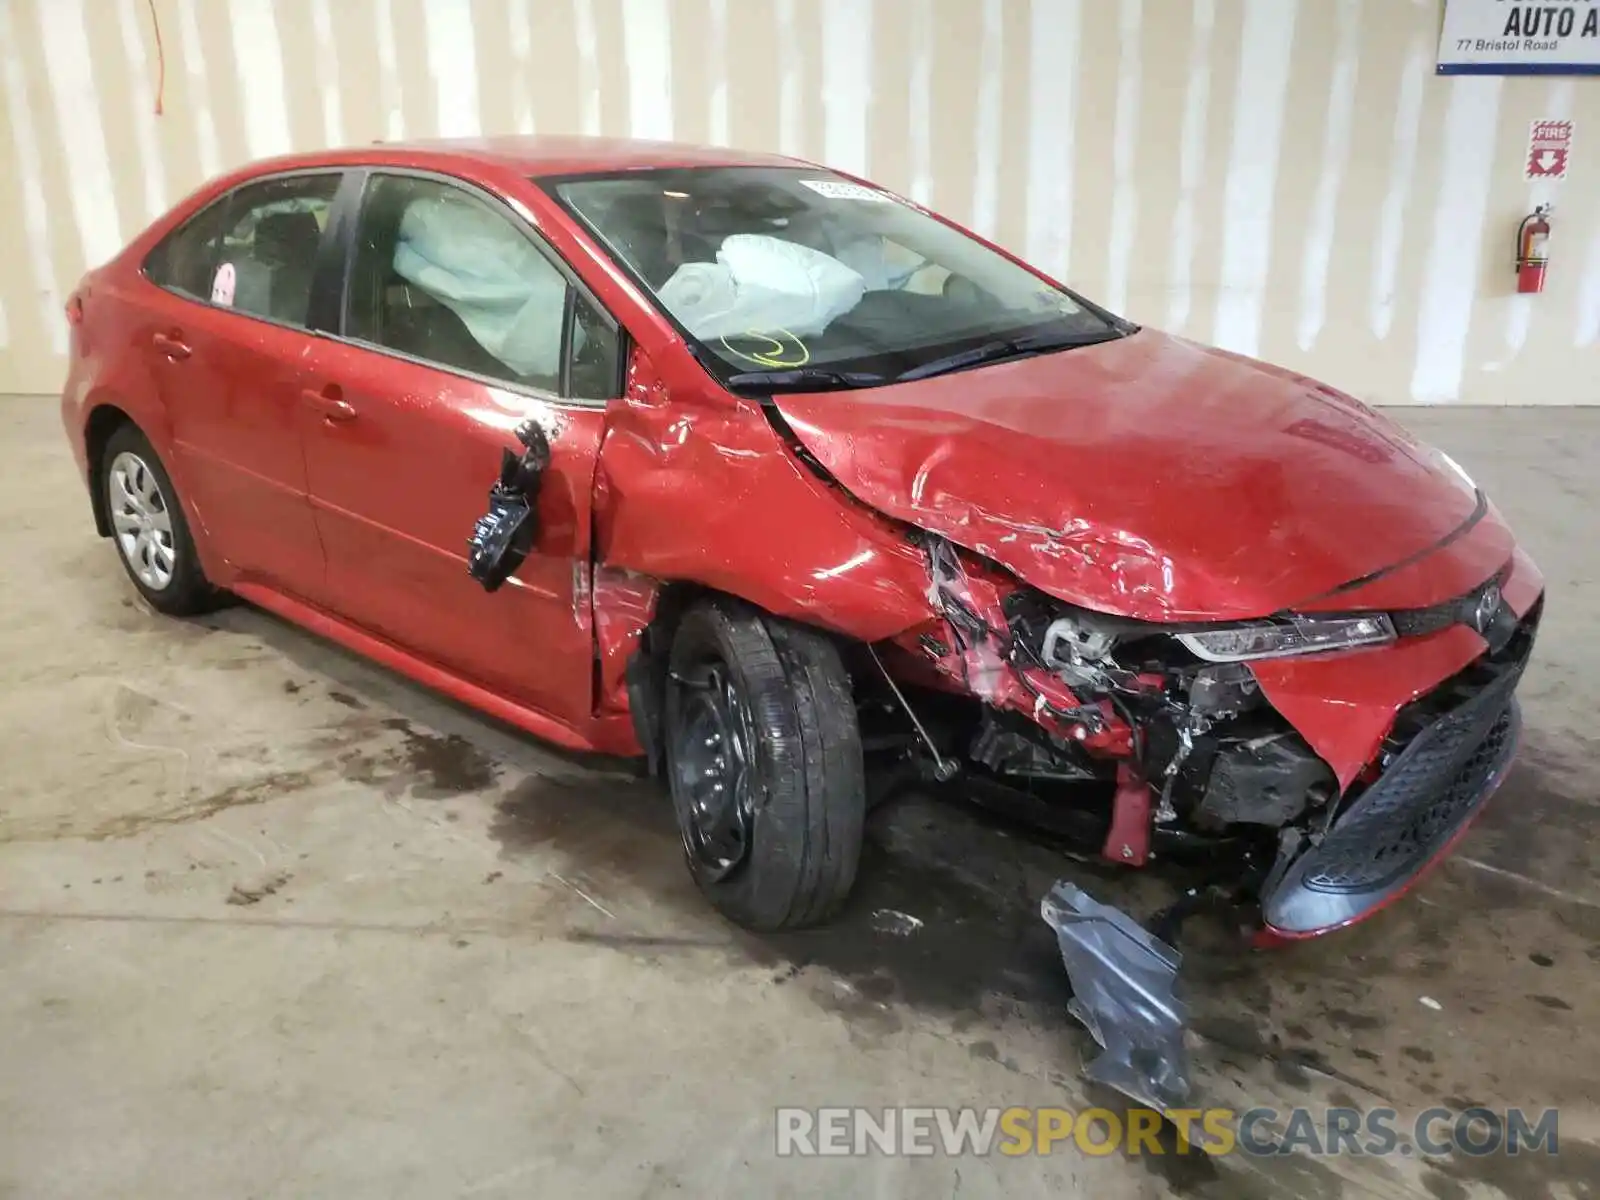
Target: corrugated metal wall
1284,177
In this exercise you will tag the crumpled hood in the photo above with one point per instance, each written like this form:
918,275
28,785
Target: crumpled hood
1146,476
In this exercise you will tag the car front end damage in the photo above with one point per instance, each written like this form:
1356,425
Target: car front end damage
1179,726
1238,745
1282,660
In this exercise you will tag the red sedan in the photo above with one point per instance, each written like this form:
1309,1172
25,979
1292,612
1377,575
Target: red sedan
796,488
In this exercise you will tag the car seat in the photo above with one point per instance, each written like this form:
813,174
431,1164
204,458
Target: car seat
286,243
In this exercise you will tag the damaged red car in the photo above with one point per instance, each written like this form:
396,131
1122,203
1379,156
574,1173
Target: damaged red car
799,490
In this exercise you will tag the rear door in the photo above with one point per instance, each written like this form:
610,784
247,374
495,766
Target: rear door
458,326
228,335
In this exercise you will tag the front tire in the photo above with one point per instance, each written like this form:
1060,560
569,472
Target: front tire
764,762
148,526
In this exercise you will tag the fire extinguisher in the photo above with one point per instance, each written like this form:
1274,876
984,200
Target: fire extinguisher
1533,245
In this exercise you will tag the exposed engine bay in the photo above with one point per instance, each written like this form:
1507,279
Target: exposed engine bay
1127,718
1139,742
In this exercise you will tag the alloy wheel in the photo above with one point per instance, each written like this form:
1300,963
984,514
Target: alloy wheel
142,521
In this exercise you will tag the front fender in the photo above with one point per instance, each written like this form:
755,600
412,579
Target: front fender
711,495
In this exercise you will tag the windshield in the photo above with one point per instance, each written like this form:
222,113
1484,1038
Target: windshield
796,277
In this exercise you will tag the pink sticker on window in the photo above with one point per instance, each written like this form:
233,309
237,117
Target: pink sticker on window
222,286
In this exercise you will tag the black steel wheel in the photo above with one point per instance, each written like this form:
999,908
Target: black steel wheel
764,762
712,786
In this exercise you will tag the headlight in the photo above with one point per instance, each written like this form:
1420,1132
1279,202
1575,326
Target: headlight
1278,639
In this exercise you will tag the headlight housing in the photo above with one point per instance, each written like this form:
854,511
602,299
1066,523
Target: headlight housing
1280,639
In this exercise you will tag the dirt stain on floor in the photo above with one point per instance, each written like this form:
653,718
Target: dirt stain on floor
944,916
610,823
977,953
1542,823
968,944
1573,1171
442,764
200,805
944,921
425,765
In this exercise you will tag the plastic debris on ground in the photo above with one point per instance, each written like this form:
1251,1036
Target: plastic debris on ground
1123,985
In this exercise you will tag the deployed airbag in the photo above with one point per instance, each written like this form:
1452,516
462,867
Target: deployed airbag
761,284
477,265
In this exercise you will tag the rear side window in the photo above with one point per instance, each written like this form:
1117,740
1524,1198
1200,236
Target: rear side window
443,276
186,259
254,250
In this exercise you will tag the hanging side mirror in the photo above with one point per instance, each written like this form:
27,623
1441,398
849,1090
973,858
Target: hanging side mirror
504,535
536,448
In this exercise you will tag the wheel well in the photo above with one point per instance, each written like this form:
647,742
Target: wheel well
646,675
103,421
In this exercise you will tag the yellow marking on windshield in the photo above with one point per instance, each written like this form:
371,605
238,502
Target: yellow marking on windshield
792,353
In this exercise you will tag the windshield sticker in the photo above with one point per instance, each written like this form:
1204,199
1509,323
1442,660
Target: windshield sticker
222,285
838,189
783,350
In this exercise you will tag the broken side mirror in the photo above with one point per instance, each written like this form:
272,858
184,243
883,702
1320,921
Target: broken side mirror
504,535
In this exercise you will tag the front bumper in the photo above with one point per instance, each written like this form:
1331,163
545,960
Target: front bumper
1430,785
1404,822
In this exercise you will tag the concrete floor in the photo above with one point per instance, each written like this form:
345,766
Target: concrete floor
274,923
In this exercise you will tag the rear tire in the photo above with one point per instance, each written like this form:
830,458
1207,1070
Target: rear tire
148,527
764,762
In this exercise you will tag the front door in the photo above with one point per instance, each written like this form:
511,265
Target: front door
457,330
228,337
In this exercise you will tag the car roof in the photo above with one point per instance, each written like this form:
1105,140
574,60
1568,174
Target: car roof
542,154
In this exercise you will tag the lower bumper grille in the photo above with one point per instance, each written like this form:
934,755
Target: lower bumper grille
1422,801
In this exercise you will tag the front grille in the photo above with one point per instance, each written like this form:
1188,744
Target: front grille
1461,610
1405,818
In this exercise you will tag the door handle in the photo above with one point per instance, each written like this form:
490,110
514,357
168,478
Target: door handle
172,346
330,402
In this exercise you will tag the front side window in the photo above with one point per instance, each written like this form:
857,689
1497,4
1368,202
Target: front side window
254,250
796,277
596,353
443,276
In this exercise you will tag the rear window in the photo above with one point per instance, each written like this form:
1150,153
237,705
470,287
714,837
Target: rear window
253,250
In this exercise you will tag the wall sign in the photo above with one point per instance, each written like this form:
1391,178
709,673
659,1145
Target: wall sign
1549,145
1520,37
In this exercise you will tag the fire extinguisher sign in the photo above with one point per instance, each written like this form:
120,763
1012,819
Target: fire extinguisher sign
1549,147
